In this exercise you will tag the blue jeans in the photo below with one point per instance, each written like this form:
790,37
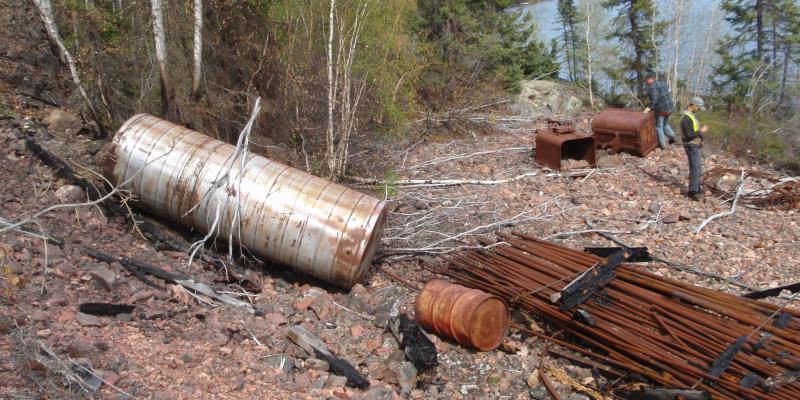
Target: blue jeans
694,152
662,127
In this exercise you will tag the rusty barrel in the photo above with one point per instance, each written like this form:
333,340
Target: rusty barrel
625,130
469,316
275,211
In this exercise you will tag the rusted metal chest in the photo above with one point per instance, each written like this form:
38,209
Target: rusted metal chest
630,131
560,142
278,212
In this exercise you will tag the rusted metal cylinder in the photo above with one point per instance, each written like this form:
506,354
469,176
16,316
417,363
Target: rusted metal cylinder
278,212
469,316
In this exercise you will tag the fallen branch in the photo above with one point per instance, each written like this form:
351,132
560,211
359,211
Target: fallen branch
147,229
460,156
141,267
438,182
315,347
50,239
724,213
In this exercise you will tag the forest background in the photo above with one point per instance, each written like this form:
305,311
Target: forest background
333,72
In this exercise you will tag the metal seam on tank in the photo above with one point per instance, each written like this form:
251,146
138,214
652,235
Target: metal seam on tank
209,196
239,204
363,243
247,197
293,259
329,268
134,136
126,137
368,234
179,178
198,179
175,204
290,187
292,210
342,232
264,204
176,139
146,164
363,227
257,211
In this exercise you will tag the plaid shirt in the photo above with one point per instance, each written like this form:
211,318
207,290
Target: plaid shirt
660,98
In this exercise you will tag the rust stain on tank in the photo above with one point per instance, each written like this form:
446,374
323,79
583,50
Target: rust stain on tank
285,215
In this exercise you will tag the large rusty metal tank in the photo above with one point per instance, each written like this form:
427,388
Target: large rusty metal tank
469,316
278,212
630,131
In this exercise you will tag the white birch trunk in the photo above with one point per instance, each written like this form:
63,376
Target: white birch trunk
198,48
46,14
159,36
677,44
331,154
589,52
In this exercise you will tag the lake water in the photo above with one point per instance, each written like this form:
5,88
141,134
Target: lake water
695,27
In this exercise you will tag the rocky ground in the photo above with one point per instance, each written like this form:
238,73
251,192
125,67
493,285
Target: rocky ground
173,345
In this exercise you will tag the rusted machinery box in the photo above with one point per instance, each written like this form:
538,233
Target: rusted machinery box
560,142
618,130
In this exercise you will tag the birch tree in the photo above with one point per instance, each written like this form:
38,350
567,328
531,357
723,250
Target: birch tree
329,53
169,108
589,77
676,44
46,14
197,52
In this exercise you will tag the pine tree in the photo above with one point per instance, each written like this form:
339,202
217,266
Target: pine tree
478,39
636,30
756,58
569,17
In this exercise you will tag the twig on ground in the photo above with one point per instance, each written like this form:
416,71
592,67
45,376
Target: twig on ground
367,317
461,156
725,213
438,182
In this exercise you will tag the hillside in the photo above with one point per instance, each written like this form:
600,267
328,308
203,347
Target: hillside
180,345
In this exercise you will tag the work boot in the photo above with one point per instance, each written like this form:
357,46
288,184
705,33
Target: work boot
672,140
696,196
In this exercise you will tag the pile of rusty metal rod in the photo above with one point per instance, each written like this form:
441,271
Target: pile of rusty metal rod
778,193
666,330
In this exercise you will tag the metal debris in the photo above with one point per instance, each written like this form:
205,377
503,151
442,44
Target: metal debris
560,142
662,329
625,130
105,309
418,348
774,191
471,317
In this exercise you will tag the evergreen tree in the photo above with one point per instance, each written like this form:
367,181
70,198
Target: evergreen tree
756,58
636,30
476,40
569,18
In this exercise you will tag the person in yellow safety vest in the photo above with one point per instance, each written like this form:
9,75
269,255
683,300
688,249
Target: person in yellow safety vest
693,144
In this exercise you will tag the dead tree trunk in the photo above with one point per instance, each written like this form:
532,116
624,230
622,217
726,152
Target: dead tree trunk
46,14
198,49
169,108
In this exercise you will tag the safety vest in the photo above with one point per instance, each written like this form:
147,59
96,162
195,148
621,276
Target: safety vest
695,123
